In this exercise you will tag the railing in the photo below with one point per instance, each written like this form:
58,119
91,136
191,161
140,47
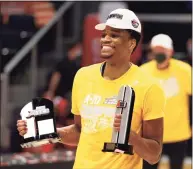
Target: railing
165,18
31,46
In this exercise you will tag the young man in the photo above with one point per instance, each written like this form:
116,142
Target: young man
94,95
175,79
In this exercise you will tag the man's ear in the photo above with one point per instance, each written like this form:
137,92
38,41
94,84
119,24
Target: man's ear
133,44
172,52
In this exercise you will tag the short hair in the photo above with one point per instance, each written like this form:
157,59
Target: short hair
134,35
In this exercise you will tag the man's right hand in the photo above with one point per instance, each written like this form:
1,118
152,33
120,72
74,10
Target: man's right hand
22,127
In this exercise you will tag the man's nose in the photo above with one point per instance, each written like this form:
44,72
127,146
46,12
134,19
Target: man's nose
106,39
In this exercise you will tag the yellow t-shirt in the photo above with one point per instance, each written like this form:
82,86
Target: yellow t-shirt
176,83
94,99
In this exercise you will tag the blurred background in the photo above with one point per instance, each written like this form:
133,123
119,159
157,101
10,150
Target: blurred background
43,44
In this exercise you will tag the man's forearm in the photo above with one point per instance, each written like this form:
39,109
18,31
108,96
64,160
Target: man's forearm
69,135
54,82
148,149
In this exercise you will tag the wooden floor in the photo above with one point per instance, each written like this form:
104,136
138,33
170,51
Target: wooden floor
166,166
165,163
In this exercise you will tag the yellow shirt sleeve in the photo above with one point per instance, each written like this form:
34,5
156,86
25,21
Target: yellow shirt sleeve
75,89
154,103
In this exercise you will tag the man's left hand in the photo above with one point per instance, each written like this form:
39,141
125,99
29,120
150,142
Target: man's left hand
116,125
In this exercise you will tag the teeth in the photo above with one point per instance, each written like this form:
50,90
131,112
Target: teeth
107,48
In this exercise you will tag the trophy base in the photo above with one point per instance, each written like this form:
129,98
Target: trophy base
118,148
39,143
42,140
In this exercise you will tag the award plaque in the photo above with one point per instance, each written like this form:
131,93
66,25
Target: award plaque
41,125
125,104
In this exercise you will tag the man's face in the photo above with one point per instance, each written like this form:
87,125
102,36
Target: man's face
115,44
161,55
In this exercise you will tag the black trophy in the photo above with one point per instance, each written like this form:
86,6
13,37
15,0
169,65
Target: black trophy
41,123
125,104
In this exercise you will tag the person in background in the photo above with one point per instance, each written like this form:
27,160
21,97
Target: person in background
175,79
60,84
59,91
189,61
189,51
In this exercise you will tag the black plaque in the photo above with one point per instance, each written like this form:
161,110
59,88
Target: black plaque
41,123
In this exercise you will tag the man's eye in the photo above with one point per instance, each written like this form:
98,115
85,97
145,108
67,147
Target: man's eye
114,35
103,35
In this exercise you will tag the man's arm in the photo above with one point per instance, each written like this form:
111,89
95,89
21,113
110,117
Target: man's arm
149,145
70,134
53,84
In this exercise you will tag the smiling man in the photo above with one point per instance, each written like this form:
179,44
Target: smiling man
94,94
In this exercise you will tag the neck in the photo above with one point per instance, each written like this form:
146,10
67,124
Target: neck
163,65
114,71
